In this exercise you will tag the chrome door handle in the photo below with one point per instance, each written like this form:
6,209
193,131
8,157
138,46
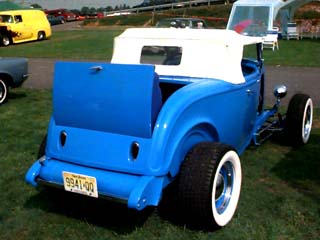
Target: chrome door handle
249,91
96,68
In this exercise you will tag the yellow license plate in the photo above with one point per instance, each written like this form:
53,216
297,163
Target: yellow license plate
82,184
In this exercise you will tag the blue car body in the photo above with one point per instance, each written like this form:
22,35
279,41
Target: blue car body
130,128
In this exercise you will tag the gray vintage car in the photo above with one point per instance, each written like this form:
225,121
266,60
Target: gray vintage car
13,72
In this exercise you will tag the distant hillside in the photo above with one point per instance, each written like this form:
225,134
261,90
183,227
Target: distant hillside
215,15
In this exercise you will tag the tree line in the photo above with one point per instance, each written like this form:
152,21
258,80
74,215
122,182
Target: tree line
91,10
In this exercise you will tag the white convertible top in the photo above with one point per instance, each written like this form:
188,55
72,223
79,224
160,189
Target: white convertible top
206,53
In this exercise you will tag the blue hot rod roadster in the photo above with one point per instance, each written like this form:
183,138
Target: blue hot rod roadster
173,106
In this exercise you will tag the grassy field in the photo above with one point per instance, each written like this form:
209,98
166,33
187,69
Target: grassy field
76,44
97,44
279,198
302,53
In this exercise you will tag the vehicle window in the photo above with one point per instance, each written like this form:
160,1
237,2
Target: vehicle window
161,55
198,24
18,18
183,24
250,51
6,18
174,23
166,23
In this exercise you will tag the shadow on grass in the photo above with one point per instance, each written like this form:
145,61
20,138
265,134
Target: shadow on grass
170,210
107,214
16,95
172,213
100,212
301,168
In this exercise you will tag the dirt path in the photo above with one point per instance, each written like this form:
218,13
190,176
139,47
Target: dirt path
297,79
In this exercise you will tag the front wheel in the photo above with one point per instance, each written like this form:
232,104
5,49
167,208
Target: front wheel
3,91
299,119
209,184
41,36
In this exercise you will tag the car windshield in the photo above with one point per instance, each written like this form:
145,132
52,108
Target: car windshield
169,23
251,20
181,23
6,18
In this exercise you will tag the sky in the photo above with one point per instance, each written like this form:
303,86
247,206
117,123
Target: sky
78,4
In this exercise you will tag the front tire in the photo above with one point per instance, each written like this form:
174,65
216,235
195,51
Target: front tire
41,36
3,91
299,119
209,184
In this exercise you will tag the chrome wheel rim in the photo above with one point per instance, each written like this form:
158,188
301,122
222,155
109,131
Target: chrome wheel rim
224,186
5,41
307,121
2,91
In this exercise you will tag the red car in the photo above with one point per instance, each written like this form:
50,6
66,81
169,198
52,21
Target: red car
67,15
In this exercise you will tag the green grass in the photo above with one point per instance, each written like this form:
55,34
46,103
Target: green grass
279,198
76,44
302,53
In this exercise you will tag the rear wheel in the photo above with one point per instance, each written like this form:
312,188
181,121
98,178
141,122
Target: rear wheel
209,184
299,119
41,35
3,91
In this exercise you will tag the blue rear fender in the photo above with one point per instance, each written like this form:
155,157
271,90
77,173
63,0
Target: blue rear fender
208,110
